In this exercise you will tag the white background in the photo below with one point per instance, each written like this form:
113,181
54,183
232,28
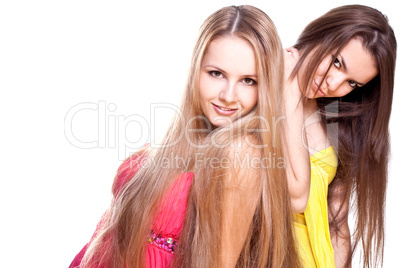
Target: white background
116,58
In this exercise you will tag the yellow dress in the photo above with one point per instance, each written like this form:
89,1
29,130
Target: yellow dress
311,227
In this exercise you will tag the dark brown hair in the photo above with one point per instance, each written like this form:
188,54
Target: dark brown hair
361,118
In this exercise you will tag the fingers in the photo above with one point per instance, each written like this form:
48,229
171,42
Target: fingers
293,51
291,56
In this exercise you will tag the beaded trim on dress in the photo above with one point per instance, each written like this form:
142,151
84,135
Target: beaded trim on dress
167,244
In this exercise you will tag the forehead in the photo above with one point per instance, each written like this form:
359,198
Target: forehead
358,61
231,53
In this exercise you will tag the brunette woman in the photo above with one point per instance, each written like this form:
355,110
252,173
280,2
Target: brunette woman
342,66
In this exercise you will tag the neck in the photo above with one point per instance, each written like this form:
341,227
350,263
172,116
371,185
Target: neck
310,107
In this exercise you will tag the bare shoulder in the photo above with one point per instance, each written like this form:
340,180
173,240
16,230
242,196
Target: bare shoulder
316,135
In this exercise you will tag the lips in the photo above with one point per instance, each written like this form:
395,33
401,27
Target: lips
224,110
319,91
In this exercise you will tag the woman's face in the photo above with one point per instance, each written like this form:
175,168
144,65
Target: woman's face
228,80
353,67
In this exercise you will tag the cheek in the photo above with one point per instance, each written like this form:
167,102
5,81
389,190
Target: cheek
208,87
249,99
203,87
343,91
322,68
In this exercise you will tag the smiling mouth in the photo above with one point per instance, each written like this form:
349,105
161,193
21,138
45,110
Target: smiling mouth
223,110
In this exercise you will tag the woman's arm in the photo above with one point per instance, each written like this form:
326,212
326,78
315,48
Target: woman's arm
296,155
340,234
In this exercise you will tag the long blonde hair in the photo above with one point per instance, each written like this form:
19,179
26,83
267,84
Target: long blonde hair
121,240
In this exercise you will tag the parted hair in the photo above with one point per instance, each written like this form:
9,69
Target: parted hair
124,231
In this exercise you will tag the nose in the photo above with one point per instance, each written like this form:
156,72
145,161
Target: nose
333,81
228,93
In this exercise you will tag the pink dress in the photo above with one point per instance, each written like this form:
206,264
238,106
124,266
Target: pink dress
166,229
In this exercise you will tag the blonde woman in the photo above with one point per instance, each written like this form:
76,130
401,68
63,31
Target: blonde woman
203,199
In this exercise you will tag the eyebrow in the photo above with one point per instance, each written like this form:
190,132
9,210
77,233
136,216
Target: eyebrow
224,72
346,69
